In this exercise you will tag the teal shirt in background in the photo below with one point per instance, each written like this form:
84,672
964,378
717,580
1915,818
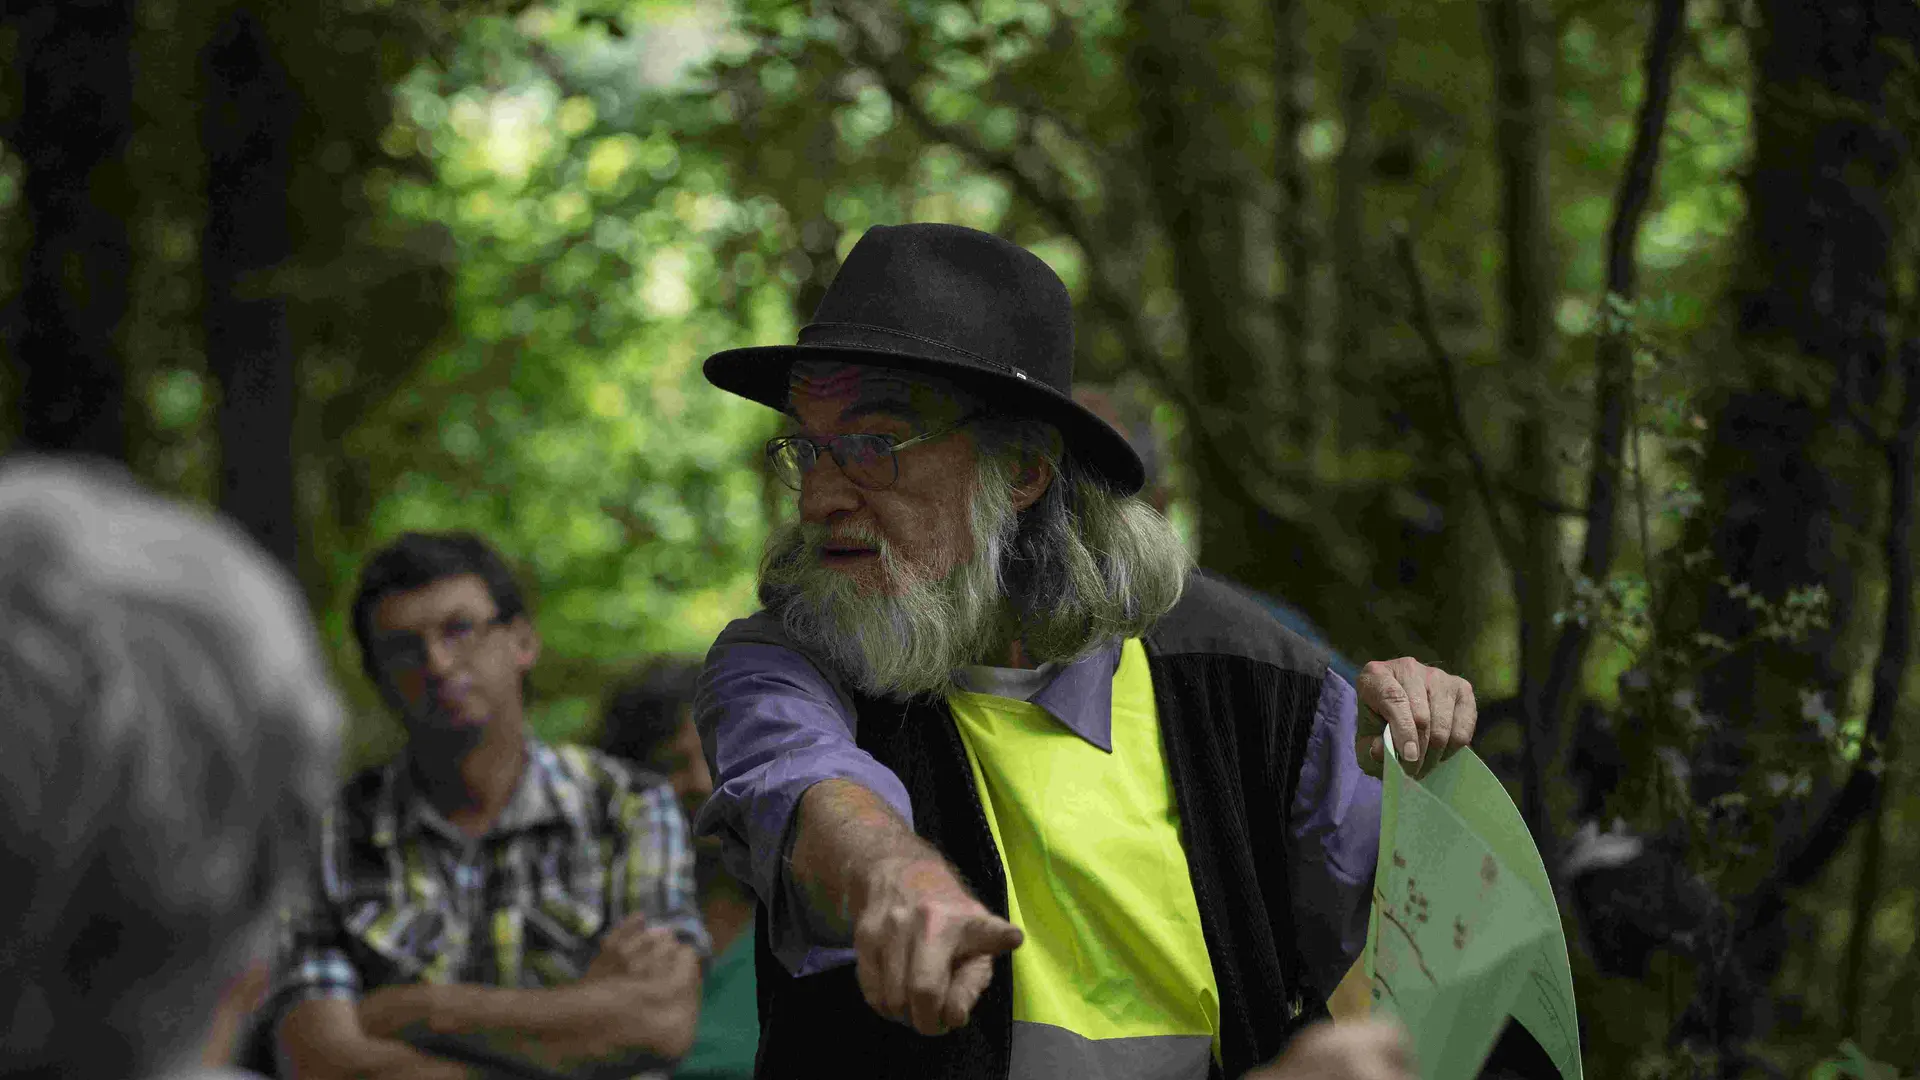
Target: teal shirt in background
728,1034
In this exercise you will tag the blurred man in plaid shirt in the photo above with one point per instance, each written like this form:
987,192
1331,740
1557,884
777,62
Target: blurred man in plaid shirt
485,904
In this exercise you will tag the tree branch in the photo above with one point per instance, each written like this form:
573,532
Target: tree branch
1614,356
1544,504
1290,299
1503,535
898,84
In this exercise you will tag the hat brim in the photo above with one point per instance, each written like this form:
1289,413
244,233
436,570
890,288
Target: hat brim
760,373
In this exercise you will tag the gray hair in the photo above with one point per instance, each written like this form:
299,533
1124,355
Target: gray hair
1082,566
171,739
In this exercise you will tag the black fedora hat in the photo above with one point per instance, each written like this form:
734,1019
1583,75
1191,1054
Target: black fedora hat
965,305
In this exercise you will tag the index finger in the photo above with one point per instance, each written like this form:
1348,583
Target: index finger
952,955
987,935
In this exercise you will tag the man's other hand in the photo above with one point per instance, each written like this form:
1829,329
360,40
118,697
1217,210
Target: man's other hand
633,950
326,1040
924,945
1368,1050
1428,713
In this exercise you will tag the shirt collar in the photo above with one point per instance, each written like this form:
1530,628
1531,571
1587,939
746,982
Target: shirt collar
545,794
1080,696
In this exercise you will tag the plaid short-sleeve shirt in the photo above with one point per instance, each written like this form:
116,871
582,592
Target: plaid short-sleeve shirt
401,896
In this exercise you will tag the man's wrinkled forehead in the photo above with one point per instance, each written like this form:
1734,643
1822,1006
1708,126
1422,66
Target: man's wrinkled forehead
854,390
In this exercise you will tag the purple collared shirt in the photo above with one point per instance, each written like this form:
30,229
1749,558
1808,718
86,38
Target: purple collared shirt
775,724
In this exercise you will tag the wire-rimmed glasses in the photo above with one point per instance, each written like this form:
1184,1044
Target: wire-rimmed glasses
866,459
460,635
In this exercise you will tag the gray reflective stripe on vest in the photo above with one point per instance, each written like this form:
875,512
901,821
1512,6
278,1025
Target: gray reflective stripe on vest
1046,1052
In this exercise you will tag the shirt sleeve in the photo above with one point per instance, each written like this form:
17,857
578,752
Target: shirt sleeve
774,725
310,957
653,865
1336,840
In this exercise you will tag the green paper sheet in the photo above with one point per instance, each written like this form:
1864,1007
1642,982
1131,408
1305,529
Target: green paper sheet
1464,931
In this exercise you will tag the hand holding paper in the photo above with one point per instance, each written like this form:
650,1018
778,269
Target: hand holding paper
1428,714
1465,931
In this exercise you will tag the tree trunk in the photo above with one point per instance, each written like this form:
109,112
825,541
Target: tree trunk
1786,472
1292,93
1528,286
1198,206
1354,309
250,108
77,110
1197,200
1811,311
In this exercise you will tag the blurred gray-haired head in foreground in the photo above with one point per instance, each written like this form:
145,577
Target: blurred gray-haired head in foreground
169,739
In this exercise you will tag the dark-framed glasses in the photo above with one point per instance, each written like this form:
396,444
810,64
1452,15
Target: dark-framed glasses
867,460
460,635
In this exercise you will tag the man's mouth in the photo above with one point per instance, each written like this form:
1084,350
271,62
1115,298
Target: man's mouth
454,711
846,554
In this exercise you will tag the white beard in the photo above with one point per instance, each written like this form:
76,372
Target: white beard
904,639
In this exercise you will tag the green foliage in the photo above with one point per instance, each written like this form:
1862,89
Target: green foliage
597,260
1854,1064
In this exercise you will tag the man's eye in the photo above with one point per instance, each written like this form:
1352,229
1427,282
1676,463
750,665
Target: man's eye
457,628
868,448
399,650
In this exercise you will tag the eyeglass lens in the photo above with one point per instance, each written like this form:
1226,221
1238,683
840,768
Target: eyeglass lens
458,634
867,460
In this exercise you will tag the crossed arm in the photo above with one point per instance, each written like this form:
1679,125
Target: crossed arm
634,1009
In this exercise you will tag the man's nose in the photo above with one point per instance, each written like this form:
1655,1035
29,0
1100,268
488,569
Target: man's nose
440,658
826,491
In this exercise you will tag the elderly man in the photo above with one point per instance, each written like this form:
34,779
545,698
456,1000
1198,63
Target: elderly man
1021,794
170,738
485,899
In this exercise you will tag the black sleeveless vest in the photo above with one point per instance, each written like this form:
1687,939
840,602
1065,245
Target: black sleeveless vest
1236,694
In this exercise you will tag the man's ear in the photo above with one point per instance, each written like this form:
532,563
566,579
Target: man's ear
526,642
1031,482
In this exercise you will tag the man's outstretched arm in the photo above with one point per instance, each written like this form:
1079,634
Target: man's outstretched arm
823,833
923,945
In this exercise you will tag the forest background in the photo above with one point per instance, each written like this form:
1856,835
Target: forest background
1571,344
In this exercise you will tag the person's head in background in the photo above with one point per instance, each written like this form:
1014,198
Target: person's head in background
648,719
444,633
171,739
1124,405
